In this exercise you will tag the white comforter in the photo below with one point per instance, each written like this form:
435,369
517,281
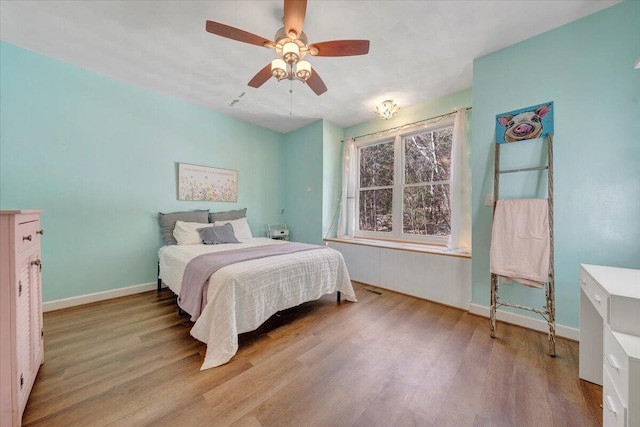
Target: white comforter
242,296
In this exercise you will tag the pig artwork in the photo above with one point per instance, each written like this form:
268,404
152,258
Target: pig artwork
524,124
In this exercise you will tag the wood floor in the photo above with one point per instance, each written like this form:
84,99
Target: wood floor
388,360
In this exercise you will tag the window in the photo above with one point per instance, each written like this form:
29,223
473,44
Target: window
403,186
376,187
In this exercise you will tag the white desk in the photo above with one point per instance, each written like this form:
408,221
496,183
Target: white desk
610,339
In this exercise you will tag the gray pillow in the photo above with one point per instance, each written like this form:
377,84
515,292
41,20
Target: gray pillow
227,216
218,235
168,222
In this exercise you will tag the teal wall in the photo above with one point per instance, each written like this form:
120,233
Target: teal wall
311,178
99,157
586,69
332,136
301,182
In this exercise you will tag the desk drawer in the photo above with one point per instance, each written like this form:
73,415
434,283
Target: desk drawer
613,411
616,363
596,295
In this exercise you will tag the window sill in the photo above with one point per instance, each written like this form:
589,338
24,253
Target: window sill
402,246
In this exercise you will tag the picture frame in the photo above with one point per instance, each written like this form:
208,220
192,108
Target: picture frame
526,123
206,183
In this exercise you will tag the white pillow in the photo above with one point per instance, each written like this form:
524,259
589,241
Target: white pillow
240,228
186,233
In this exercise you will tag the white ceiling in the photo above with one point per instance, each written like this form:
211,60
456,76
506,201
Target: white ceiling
420,50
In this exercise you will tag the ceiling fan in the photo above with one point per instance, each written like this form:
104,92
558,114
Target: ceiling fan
291,45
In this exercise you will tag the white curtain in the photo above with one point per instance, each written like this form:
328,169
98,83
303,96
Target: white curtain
460,238
347,223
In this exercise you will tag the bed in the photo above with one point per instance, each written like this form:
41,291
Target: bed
239,297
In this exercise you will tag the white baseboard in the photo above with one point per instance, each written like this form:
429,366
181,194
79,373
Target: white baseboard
98,296
526,322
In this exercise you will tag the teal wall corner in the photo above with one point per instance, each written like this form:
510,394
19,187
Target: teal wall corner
301,182
332,146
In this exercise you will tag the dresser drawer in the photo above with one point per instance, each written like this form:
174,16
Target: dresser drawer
596,295
616,363
28,232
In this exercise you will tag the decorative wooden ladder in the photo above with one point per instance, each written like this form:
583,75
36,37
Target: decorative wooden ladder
548,311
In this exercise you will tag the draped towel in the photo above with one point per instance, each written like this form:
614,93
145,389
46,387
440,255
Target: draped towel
520,243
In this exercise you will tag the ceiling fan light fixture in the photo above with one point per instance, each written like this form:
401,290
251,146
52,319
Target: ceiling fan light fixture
387,109
278,69
303,70
290,52
291,47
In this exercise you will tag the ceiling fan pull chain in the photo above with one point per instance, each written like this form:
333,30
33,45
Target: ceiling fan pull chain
291,93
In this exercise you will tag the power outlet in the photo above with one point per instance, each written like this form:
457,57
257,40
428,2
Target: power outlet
488,200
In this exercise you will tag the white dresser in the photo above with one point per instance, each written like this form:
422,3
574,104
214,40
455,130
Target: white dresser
21,333
610,339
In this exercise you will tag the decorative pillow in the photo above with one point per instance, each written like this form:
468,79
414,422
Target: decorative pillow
186,233
241,228
227,216
218,235
168,222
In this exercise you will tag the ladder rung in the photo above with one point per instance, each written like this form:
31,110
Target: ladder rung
538,168
543,313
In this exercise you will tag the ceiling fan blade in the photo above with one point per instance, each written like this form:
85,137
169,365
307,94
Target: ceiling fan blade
315,83
340,48
237,34
294,11
262,76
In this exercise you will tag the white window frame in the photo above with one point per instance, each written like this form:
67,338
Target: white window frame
398,186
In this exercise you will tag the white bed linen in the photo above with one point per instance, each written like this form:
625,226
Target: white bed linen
242,296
